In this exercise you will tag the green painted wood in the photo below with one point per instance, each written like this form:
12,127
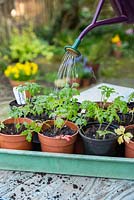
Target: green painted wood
71,164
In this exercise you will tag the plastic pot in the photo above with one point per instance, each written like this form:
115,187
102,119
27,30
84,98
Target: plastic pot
36,146
101,147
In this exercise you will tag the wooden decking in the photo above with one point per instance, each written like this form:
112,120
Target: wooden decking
40,186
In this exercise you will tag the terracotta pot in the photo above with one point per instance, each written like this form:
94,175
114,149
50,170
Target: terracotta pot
117,54
95,67
129,147
58,144
85,82
17,83
15,141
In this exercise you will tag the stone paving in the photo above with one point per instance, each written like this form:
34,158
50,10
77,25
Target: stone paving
40,186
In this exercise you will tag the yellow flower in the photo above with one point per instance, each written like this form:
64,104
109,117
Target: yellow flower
16,75
116,39
21,72
34,68
7,73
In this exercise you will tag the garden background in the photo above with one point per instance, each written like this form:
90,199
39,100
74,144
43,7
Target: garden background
38,30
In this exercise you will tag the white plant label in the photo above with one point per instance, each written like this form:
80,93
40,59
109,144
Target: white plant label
19,96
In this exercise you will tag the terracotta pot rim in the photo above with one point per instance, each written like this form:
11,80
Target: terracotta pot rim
54,138
130,142
30,80
17,135
21,118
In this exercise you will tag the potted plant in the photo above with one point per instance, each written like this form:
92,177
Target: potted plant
99,136
61,131
122,107
130,105
34,109
126,134
59,104
87,76
16,133
125,111
131,100
117,46
31,89
58,136
20,73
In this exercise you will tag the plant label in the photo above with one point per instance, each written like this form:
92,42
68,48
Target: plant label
19,96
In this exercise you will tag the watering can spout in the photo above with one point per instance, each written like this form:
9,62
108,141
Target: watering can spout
125,11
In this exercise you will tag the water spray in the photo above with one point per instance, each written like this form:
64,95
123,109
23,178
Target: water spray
125,12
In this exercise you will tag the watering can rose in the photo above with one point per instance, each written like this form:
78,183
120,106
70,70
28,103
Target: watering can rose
22,72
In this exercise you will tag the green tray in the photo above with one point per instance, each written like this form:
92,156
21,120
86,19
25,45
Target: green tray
71,164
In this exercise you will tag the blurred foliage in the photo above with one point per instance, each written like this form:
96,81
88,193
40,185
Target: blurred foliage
50,77
4,58
26,46
49,41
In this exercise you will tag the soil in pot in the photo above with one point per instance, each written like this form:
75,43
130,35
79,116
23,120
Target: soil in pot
60,142
62,132
10,138
10,129
42,117
99,146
